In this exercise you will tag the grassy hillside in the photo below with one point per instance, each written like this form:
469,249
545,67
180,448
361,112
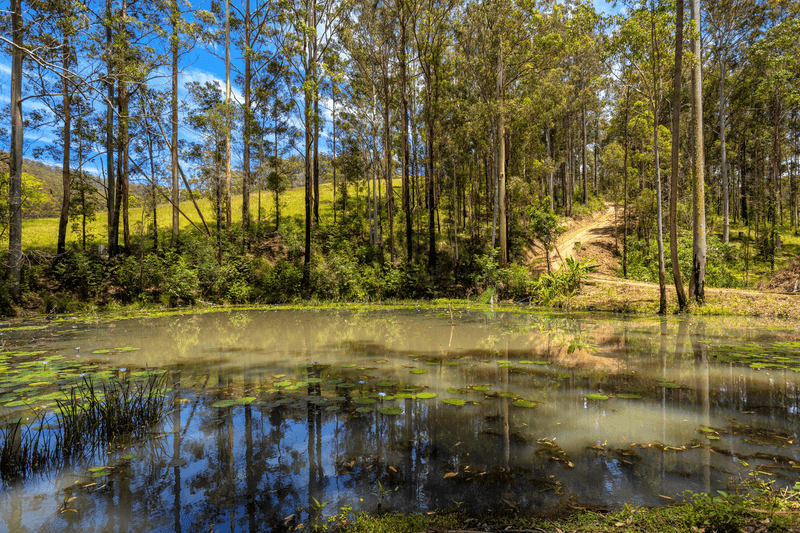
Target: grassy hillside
41,234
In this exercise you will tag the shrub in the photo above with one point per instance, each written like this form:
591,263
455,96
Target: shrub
180,284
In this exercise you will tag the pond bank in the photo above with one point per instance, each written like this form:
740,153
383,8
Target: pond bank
762,511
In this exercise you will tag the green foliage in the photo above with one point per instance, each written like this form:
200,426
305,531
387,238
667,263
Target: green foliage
180,283
80,273
721,513
725,262
543,224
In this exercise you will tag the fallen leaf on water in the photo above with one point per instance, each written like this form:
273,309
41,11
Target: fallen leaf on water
72,499
393,469
287,519
450,474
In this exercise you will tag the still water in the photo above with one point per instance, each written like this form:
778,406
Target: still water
275,412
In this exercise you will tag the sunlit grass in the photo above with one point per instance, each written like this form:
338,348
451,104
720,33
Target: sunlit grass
42,233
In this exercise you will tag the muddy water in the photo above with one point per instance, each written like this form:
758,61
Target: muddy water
336,407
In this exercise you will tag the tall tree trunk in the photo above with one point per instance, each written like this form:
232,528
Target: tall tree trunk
174,121
247,125
550,191
388,162
625,186
673,189
726,223
308,115
583,157
662,275
124,136
429,185
698,281
228,125
66,180
110,168
501,161
15,172
404,136
776,181
315,85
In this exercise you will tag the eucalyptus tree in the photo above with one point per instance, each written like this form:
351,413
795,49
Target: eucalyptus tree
499,48
307,29
731,23
432,32
776,58
53,81
180,41
641,43
16,151
697,281
257,27
677,85
209,118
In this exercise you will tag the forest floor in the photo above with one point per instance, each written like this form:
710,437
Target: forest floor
598,236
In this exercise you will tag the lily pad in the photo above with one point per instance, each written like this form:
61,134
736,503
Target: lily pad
426,395
129,456
245,400
480,388
418,371
364,410
524,403
629,396
391,411
224,403
386,384
364,401
404,396
349,365
599,397
455,401
332,408
313,380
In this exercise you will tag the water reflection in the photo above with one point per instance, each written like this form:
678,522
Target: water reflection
309,429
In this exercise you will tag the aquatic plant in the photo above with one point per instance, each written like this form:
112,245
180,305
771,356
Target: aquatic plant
26,447
85,418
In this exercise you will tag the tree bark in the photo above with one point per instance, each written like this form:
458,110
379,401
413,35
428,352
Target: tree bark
247,125
673,189
174,121
228,125
583,156
110,169
66,180
698,281
15,172
726,223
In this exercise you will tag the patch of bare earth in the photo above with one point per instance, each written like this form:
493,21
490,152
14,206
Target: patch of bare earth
599,236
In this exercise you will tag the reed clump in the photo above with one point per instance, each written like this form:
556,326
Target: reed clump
91,415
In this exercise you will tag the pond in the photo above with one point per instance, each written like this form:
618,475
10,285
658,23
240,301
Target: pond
276,416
